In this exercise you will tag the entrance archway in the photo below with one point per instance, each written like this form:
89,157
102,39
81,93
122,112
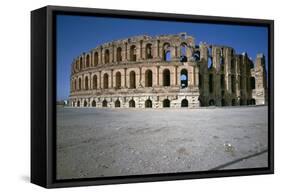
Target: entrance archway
148,103
166,103
184,103
132,103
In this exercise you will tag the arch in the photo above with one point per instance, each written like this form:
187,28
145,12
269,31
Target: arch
78,103
117,103
119,54
184,78
184,103
88,61
211,83
75,85
196,55
94,104
118,80
95,82
132,103
148,103
85,103
148,78
105,81
166,103
104,103
148,51
253,83
166,52
211,102
132,79
233,89
183,51
106,56
242,102
96,58
86,83
79,83
166,77
133,53
222,80
210,62
233,102
81,63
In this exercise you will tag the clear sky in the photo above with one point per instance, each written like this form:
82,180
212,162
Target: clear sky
78,34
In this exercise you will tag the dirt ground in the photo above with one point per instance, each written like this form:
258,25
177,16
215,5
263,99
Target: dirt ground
93,142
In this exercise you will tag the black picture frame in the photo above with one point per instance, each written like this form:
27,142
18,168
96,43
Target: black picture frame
43,96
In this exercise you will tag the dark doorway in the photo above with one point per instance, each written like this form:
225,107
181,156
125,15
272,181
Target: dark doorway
184,103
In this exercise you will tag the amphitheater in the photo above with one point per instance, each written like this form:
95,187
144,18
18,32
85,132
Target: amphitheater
166,71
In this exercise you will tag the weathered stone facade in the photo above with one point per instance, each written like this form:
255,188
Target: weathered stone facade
166,71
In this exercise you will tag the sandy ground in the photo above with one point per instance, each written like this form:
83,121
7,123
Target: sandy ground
95,142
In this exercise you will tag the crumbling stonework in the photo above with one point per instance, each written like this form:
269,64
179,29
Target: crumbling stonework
166,71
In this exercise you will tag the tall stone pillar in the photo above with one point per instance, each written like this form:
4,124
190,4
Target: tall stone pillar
260,91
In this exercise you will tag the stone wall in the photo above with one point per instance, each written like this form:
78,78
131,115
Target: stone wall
146,71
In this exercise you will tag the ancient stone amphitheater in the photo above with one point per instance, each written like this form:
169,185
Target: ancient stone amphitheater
166,71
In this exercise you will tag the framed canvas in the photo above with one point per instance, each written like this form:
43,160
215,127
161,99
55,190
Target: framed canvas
125,96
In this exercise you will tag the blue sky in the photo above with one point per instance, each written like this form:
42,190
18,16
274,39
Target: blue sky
78,34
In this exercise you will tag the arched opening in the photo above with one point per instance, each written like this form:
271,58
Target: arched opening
132,103
96,59
80,83
88,61
81,63
233,102
95,82
78,103
148,78
183,50
233,89
118,80
94,104
222,81
75,85
106,56
210,62
148,51
223,103
85,103
253,101
104,103
166,52
196,55
241,102
166,103
184,103
166,77
117,103
119,54
105,81
253,83
211,83
86,83
148,103
211,102
184,78
132,79
133,53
